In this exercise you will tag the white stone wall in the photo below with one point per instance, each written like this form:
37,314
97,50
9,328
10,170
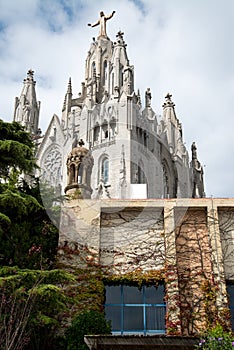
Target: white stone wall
132,239
226,228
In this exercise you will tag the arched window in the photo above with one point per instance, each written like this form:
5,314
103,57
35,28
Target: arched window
121,76
93,69
105,170
80,173
145,138
104,72
72,174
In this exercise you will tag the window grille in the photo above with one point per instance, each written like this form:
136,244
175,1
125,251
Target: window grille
135,311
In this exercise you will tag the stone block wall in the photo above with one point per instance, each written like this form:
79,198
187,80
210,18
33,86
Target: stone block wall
132,238
186,242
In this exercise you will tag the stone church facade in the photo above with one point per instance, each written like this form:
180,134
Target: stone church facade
135,214
136,154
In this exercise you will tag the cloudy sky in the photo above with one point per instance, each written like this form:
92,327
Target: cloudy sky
185,47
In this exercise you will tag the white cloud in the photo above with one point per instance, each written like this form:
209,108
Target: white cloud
184,47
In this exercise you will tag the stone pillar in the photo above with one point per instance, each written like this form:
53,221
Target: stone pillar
173,323
217,258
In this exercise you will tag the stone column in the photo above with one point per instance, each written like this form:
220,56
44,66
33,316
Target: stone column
173,323
217,257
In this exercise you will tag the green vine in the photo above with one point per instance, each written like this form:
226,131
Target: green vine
136,277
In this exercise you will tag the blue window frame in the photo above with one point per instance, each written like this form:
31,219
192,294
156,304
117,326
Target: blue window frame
135,311
230,291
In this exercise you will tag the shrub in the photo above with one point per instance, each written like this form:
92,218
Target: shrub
87,323
216,338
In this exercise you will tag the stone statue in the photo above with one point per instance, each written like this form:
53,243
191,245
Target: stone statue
26,112
148,98
194,151
102,21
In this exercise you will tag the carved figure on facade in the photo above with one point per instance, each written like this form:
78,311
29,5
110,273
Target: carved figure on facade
102,22
194,150
148,98
102,190
26,112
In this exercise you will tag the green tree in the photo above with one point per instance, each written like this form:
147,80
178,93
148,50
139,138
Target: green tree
16,150
27,236
32,306
88,322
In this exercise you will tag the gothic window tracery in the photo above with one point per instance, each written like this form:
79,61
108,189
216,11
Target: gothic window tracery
52,165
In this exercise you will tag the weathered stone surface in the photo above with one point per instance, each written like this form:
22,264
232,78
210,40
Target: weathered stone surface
188,238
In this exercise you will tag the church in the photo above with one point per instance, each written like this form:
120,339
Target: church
136,218
136,153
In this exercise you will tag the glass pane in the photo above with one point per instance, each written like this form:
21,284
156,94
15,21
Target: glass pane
113,314
132,295
155,317
133,318
105,171
230,290
113,295
232,317
154,295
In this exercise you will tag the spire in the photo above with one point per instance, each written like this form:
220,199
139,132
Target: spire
67,104
27,109
120,39
123,73
69,87
168,102
169,111
172,127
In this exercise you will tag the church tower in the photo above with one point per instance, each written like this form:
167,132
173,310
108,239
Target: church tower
27,108
136,154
